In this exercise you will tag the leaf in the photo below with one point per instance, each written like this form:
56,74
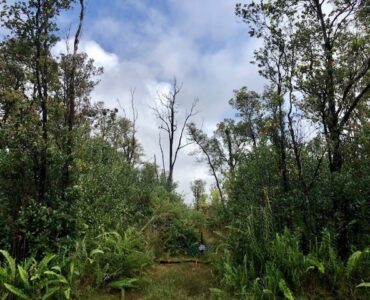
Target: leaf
45,261
284,288
51,273
11,263
353,261
91,261
364,284
60,278
3,273
72,272
267,292
34,277
16,291
5,296
96,251
57,268
50,292
315,264
123,283
67,293
24,276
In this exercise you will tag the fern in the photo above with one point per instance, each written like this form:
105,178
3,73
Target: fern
286,291
45,261
313,263
353,261
11,264
23,276
363,284
16,291
50,292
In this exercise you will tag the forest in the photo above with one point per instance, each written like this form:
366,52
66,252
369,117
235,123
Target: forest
84,214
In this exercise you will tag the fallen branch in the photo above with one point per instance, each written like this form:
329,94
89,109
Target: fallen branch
167,261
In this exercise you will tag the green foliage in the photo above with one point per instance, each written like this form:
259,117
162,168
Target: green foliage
288,204
174,227
111,256
286,291
109,259
180,281
281,269
123,283
33,279
358,266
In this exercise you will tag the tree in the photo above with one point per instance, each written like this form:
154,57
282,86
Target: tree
221,152
198,189
33,26
249,105
115,130
70,101
167,114
42,102
331,69
210,148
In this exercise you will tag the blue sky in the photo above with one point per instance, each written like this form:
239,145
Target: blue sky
136,18
143,44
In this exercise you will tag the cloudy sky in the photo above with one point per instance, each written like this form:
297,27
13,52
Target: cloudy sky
143,44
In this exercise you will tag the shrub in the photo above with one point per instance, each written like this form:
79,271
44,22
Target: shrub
33,279
111,256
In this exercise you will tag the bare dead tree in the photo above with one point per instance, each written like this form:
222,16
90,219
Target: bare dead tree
162,152
167,114
129,145
155,167
134,149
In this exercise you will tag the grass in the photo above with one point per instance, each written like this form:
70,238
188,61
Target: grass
165,281
175,281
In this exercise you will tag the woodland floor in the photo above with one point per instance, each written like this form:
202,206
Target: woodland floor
168,281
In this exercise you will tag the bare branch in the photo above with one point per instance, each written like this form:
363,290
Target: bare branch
188,116
354,80
353,105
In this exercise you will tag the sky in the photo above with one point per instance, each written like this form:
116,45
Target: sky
144,44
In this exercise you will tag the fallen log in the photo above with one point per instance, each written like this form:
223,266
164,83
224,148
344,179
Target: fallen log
181,261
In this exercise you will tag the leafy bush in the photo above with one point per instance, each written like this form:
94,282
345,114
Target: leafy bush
33,279
174,228
111,256
254,264
109,259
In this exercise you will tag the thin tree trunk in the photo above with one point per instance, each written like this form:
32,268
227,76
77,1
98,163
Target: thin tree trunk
71,96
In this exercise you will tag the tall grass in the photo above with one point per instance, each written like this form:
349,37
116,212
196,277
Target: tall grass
253,262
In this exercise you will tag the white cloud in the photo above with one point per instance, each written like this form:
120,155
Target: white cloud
95,51
202,45
100,56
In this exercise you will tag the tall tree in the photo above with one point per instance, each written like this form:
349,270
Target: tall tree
42,101
208,148
221,151
70,113
33,25
333,60
198,189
